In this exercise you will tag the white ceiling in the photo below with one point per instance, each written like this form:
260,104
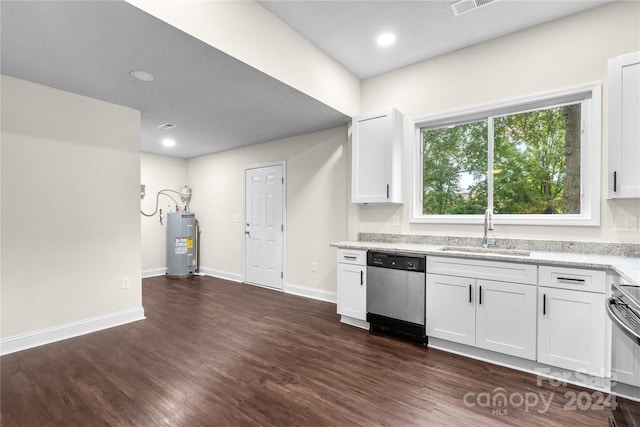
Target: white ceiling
217,102
347,30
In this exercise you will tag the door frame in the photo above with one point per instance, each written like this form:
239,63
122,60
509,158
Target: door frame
282,163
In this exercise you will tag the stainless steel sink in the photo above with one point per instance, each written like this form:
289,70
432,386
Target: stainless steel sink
486,251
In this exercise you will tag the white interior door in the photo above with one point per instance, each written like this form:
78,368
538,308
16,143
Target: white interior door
264,226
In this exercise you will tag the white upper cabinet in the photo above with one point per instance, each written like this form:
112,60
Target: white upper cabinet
624,126
376,168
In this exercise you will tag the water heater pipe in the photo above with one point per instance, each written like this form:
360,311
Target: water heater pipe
185,196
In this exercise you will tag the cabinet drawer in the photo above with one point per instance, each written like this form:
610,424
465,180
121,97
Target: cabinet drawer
572,278
481,269
352,256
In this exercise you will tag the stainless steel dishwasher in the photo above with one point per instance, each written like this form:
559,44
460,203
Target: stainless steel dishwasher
396,294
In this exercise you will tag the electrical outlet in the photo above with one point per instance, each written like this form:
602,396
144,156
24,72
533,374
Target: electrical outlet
314,267
395,221
626,223
125,283
236,218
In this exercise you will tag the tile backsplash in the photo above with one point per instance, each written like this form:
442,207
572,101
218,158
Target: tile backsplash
600,248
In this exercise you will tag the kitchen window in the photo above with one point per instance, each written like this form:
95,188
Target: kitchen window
533,160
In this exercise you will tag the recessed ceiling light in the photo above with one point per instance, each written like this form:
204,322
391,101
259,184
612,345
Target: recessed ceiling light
168,142
141,75
386,39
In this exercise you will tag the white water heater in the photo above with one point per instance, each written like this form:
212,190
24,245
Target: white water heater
182,244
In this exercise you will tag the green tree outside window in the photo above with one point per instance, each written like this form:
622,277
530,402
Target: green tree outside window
536,164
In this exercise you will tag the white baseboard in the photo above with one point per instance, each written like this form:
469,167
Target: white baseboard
237,277
154,272
70,330
288,288
234,277
541,371
313,293
363,324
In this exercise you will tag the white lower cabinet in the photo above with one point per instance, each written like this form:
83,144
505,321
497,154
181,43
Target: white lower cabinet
506,318
352,286
451,311
571,323
352,291
496,316
551,314
554,315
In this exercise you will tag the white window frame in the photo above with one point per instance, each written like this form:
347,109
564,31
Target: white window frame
590,155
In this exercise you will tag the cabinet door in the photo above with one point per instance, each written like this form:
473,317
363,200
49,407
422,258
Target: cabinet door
506,318
624,126
451,308
571,330
377,157
352,291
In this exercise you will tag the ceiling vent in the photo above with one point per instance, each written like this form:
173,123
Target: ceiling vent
167,126
464,6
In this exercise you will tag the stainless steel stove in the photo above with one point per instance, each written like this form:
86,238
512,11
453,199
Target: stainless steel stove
624,310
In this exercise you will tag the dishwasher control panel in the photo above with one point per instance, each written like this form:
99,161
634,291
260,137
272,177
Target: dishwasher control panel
396,261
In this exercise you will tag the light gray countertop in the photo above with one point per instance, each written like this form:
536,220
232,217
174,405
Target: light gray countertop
627,267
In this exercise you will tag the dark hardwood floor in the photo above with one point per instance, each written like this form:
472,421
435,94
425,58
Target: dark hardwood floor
218,353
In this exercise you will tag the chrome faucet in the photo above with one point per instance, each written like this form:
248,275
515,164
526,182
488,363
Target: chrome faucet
488,225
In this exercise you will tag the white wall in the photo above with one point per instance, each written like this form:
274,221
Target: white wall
250,33
70,202
158,173
557,55
316,204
